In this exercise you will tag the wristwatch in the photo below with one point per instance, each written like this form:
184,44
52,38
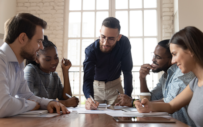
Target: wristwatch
132,102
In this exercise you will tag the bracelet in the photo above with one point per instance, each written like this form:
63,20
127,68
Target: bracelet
132,102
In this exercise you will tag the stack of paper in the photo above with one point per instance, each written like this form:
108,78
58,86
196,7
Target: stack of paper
118,113
37,113
102,105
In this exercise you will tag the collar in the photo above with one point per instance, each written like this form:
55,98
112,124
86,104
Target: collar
175,69
10,55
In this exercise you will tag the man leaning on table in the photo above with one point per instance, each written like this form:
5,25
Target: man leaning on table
104,60
171,83
24,34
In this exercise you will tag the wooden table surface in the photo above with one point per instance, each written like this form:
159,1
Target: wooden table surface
78,120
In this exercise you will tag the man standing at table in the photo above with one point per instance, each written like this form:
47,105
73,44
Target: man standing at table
104,60
24,34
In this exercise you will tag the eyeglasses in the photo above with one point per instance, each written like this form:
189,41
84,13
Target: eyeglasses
156,57
109,40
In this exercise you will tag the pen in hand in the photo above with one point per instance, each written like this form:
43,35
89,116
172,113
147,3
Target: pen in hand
118,92
68,95
92,99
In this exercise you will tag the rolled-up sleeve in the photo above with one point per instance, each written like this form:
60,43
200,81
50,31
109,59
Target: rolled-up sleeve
156,93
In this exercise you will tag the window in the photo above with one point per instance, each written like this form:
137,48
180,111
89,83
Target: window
139,22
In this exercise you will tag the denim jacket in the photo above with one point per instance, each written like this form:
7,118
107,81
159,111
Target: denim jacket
168,88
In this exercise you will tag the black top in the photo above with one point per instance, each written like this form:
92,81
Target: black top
107,66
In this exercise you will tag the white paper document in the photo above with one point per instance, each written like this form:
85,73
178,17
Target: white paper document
39,115
117,113
103,105
35,112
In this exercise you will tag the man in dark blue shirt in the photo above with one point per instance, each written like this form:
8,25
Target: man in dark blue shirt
104,60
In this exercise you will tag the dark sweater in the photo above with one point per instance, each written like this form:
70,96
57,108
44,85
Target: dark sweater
107,66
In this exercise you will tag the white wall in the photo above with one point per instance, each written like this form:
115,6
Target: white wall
1,42
190,13
7,10
51,11
167,18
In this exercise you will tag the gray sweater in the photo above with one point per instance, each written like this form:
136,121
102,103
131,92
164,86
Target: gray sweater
43,84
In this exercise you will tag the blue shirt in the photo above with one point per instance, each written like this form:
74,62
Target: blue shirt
107,66
12,83
168,88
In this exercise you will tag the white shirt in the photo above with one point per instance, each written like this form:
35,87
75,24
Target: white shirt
12,83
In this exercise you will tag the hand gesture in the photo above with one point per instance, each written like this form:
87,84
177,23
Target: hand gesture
144,70
65,64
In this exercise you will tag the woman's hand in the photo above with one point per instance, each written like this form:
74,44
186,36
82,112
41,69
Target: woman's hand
144,106
65,64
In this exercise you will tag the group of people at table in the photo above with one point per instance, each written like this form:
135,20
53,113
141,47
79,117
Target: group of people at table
37,85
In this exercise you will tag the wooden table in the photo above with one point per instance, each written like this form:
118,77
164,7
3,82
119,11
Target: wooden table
78,120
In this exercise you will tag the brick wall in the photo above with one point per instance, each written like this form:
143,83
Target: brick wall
167,18
52,11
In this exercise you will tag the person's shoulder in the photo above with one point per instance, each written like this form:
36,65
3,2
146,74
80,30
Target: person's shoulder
3,57
55,76
178,72
178,75
193,84
124,39
30,68
92,48
174,68
93,45
124,42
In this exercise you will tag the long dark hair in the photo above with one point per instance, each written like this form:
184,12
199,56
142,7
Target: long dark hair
47,44
190,38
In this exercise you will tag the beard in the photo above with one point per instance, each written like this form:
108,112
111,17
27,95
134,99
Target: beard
165,67
26,55
104,50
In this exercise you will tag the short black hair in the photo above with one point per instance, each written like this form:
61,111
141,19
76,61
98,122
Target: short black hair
22,23
47,44
112,22
165,44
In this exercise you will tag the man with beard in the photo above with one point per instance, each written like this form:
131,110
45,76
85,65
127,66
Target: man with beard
24,34
172,82
105,58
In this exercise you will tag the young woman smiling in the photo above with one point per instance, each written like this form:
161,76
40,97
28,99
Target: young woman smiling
186,49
